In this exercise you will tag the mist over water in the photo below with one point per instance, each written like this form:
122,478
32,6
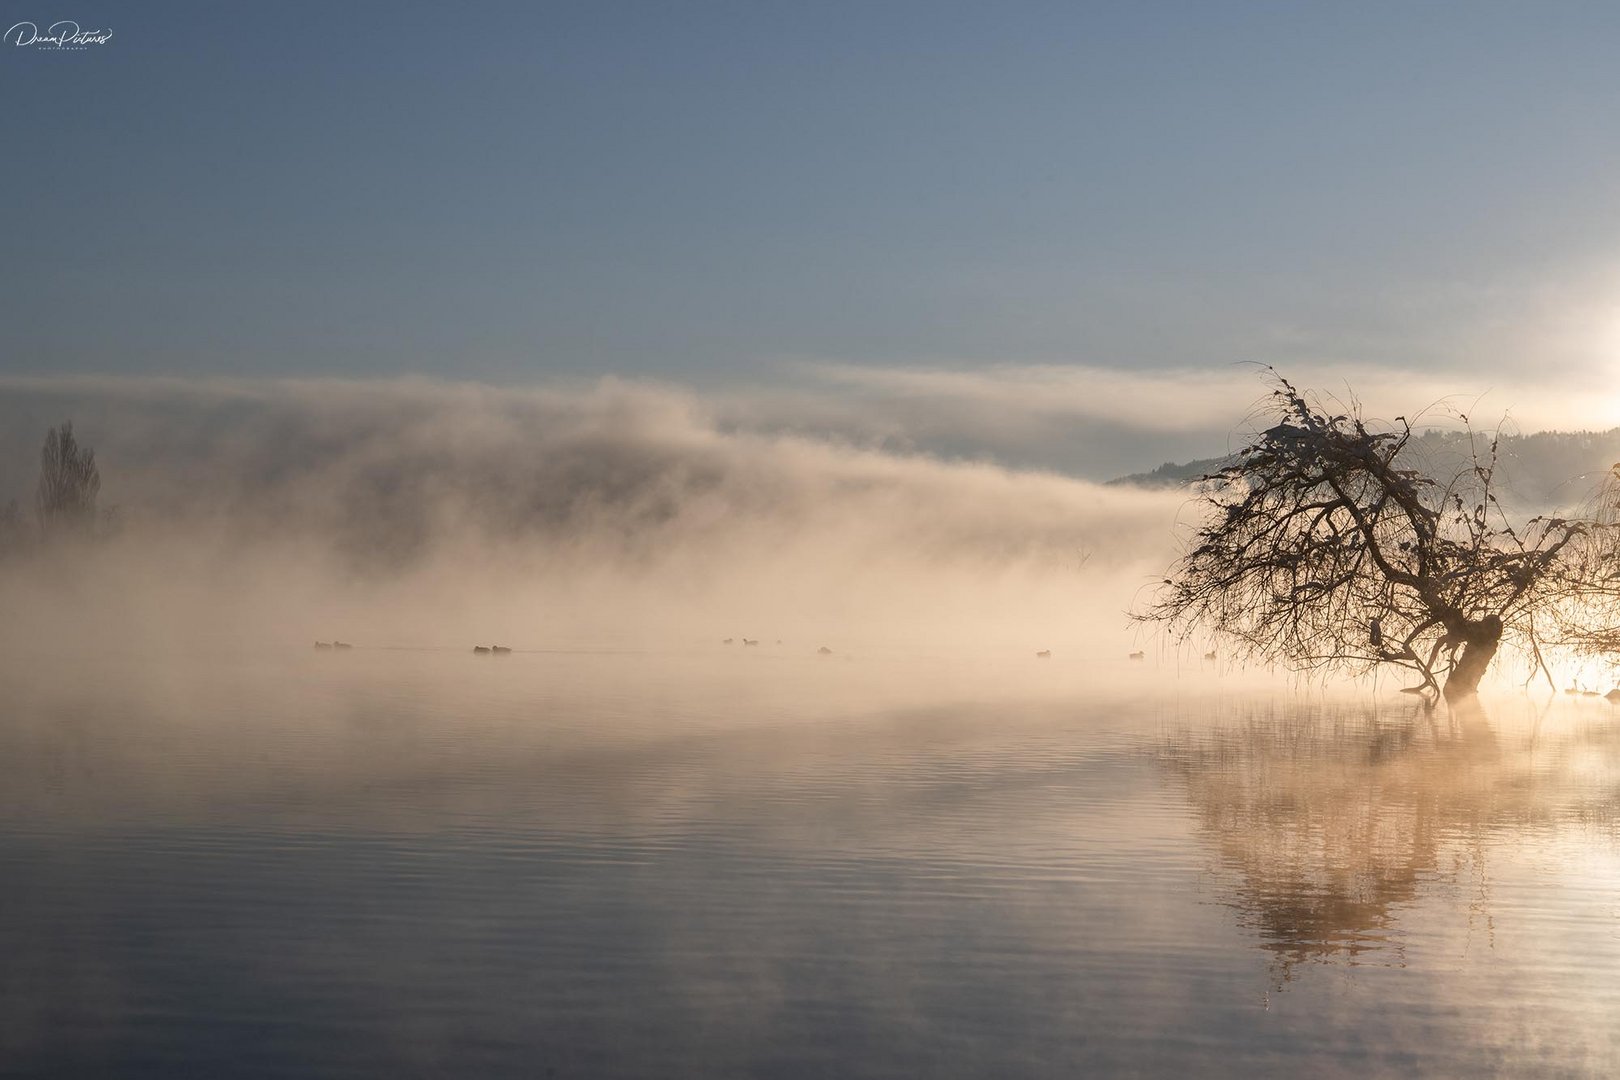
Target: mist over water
631,541
629,848
610,864
421,513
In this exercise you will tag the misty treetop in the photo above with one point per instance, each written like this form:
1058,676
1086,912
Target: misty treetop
1329,543
69,482
64,496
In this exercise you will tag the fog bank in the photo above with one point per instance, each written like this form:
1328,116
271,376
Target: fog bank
618,514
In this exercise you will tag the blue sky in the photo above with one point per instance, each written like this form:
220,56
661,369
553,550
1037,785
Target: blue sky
707,192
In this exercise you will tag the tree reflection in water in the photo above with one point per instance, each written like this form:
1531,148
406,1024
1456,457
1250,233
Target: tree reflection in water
1328,822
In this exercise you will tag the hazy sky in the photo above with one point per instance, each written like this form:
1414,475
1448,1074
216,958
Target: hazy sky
711,192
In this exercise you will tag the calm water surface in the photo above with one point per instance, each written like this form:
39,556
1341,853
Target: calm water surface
431,864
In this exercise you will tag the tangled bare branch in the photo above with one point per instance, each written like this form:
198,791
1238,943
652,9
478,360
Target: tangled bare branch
1325,546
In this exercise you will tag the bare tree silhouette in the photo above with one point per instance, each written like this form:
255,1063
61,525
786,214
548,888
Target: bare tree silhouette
1325,545
1589,622
12,530
68,484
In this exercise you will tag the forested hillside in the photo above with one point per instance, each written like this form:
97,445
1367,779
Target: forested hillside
1543,471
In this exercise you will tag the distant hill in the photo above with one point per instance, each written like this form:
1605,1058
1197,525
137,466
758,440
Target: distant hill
1171,475
1543,471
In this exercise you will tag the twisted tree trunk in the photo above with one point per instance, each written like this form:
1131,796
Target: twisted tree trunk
1479,643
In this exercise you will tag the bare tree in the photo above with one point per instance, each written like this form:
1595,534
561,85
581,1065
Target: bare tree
1325,546
12,533
1588,621
68,484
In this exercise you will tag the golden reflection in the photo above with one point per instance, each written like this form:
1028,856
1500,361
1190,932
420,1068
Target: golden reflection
1328,824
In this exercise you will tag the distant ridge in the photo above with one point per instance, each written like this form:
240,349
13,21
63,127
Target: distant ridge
1546,470
1171,475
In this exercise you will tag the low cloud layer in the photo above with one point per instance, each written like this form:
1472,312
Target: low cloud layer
1103,422
421,512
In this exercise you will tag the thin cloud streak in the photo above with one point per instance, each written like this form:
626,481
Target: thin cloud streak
1218,399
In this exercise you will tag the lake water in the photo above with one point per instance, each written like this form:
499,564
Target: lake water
774,864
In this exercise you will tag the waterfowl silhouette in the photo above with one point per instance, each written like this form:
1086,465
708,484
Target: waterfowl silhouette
1045,654
480,648
1138,656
